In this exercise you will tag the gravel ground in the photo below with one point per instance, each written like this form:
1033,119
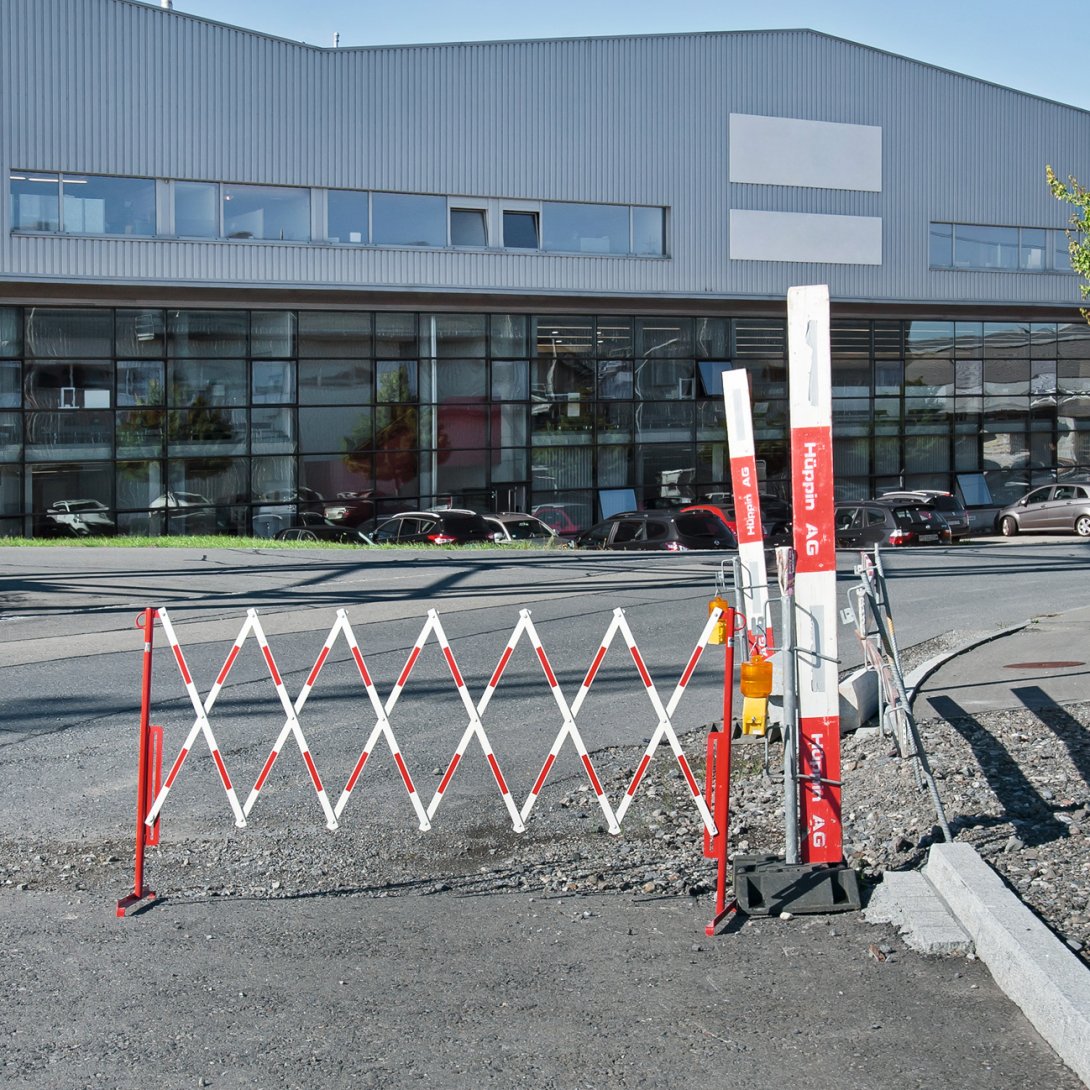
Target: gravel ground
1013,784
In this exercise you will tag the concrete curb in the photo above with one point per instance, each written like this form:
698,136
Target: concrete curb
1028,962
915,678
859,690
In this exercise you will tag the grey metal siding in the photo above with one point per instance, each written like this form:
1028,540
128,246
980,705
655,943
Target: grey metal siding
110,86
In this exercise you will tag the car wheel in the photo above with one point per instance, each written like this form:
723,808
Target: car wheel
1082,526
1007,526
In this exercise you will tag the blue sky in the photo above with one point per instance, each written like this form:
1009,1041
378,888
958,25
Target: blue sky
1034,48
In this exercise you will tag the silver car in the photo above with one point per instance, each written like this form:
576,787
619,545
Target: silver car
1060,508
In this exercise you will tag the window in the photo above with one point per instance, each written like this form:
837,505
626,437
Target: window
468,227
520,230
346,216
266,212
407,219
584,228
197,209
107,206
986,247
35,201
974,246
649,232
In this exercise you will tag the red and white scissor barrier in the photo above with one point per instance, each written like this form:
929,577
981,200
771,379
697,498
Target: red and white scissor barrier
152,797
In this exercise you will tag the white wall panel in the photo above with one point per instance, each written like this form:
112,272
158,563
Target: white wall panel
805,237
793,151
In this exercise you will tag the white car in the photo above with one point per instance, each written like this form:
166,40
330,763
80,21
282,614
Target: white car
518,526
80,518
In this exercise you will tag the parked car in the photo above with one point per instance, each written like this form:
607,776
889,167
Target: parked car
447,527
567,519
775,517
672,531
518,526
351,508
313,527
183,513
946,503
868,523
1061,508
78,518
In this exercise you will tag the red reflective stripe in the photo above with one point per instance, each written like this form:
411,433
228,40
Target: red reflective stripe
266,770
223,769
593,778
176,769
640,666
544,772
639,774
313,771
272,665
594,667
409,666
181,663
691,667
318,666
228,664
450,772
405,774
688,774
359,663
549,676
449,655
501,667
357,770
497,773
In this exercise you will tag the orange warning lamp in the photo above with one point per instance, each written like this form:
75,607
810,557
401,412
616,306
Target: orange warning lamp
719,632
756,679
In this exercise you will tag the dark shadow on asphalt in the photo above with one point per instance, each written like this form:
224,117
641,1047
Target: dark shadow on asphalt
1019,798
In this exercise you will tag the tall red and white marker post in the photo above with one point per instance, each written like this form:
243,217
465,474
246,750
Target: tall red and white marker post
809,368
747,508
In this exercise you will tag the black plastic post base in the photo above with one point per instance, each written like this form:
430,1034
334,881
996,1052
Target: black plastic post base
764,885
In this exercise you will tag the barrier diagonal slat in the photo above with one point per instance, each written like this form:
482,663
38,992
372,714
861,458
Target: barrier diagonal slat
664,727
200,723
475,728
568,730
382,726
291,722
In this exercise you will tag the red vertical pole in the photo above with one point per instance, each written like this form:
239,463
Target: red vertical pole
718,777
139,893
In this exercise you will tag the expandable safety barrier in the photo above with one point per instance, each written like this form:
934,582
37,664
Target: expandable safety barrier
152,795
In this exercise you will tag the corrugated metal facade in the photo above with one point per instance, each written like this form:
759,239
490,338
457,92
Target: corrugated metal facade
117,87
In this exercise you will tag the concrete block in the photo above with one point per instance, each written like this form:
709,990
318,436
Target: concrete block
858,699
907,900
1036,970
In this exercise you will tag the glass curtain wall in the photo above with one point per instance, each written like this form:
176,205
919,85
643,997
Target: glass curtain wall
233,421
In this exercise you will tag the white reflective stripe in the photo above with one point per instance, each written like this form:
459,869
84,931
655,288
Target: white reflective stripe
382,725
200,723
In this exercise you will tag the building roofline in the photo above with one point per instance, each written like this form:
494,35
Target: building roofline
174,13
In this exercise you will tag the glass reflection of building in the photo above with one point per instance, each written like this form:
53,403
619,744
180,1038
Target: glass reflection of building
253,414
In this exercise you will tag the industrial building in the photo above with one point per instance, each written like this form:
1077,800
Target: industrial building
242,277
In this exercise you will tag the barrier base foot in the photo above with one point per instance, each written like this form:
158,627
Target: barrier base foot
134,900
714,925
765,885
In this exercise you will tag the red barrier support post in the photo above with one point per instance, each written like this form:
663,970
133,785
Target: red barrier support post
150,751
717,784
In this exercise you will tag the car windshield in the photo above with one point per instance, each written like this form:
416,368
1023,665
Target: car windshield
84,505
522,529
915,516
701,524
464,524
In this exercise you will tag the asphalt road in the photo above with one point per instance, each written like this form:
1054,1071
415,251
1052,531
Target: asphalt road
321,988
